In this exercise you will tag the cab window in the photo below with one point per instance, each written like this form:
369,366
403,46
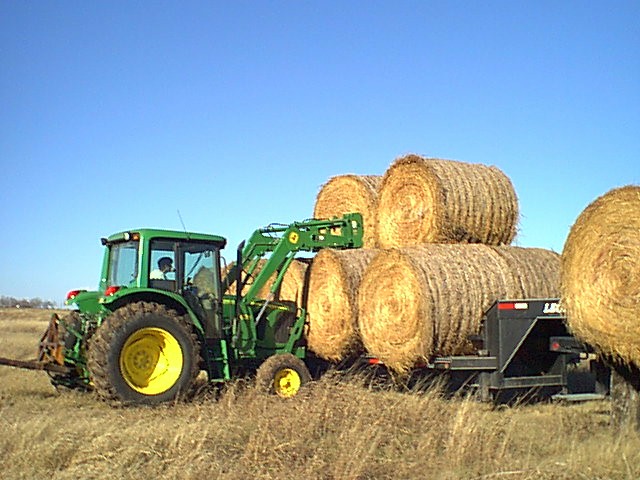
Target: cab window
162,264
201,269
123,263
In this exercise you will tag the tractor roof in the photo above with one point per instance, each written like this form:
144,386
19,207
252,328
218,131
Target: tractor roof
150,233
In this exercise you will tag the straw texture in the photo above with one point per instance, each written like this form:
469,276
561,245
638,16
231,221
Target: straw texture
351,193
332,307
427,200
601,274
426,300
536,271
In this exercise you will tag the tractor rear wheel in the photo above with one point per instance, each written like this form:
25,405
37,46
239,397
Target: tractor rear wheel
283,375
143,353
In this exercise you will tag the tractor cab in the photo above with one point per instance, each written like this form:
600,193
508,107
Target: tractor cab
154,264
133,259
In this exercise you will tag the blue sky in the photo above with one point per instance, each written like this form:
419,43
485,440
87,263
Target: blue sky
115,115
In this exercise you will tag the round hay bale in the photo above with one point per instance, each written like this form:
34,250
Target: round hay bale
294,283
292,288
332,307
421,301
536,271
351,193
427,200
601,275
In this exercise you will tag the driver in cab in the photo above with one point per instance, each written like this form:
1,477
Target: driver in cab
165,265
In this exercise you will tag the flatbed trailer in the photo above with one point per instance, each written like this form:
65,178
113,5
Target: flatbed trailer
524,347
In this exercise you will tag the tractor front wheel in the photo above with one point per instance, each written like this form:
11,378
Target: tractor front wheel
283,375
143,353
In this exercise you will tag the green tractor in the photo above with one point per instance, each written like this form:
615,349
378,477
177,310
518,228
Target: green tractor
161,315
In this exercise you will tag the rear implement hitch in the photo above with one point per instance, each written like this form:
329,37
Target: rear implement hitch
35,365
50,352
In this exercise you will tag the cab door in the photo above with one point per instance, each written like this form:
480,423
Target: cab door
199,282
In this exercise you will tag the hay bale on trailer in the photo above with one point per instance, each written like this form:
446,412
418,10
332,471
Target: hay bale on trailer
601,275
427,200
536,271
351,193
426,300
332,307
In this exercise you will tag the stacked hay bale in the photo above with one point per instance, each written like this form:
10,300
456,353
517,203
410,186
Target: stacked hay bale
335,275
536,271
351,193
442,228
333,304
427,200
601,275
423,300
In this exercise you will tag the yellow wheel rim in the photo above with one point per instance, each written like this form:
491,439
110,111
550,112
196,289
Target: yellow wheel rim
151,361
286,382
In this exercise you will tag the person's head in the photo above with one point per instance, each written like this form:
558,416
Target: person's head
165,264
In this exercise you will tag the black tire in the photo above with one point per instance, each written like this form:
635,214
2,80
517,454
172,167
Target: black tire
143,353
71,380
282,375
74,321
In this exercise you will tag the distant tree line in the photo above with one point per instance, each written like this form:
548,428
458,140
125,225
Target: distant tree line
25,302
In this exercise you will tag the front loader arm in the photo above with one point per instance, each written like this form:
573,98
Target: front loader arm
284,242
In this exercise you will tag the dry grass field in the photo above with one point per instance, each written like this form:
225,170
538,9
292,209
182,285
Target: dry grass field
338,428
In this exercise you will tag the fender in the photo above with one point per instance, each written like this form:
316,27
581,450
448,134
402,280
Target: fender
86,301
170,299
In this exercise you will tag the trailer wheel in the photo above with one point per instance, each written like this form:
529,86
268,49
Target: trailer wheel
143,353
282,375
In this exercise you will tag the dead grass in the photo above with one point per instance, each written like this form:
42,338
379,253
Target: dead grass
338,428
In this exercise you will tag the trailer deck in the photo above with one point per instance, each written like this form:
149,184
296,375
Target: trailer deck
524,346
